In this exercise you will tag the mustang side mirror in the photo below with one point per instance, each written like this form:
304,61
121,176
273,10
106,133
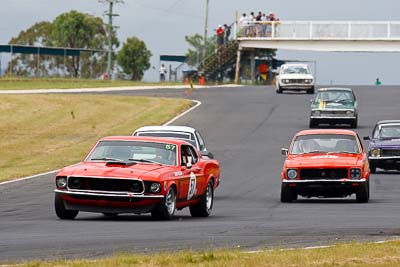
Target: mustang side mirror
284,151
366,137
188,165
207,154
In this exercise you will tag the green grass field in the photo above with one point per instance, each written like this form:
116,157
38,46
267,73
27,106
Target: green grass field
15,83
45,132
354,254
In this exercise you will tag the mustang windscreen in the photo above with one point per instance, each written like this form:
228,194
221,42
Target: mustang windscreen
325,143
162,153
293,70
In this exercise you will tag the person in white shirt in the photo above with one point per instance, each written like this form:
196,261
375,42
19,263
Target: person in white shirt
163,72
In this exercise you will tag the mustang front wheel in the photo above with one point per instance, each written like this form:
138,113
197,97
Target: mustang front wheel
166,209
204,208
61,211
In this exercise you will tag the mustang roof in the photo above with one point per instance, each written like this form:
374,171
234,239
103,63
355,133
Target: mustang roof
326,131
144,139
173,128
334,89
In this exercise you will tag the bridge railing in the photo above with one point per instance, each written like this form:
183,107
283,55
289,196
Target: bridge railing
320,30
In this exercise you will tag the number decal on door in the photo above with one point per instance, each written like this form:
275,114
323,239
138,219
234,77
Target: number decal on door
192,186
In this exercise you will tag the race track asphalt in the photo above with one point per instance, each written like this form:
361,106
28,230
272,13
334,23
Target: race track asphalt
245,128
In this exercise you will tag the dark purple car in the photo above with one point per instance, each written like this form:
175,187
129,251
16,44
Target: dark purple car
384,146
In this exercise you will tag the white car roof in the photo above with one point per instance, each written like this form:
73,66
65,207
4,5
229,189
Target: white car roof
173,128
295,64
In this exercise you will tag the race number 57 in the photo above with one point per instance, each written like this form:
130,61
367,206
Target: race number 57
192,186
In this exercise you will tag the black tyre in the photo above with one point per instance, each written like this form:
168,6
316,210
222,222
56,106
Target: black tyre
372,167
279,90
61,212
313,123
166,209
362,195
111,215
354,124
287,194
204,208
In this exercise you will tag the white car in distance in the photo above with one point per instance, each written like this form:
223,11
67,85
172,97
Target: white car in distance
186,133
295,77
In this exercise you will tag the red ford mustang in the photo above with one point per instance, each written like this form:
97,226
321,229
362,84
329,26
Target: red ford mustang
325,163
129,174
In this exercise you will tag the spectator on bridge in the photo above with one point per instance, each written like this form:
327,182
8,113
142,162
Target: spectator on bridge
220,36
243,24
251,31
274,23
227,30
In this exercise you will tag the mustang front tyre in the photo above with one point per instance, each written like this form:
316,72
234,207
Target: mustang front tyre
61,211
166,209
204,208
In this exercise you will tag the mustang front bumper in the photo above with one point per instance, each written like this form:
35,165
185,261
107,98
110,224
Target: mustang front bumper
107,202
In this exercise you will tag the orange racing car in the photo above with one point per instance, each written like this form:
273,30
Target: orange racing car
325,163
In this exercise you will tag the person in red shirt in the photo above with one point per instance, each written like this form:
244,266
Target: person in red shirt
220,36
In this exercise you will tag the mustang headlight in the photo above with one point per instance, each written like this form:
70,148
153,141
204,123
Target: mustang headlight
291,174
285,81
61,182
155,187
355,173
349,112
308,80
376,152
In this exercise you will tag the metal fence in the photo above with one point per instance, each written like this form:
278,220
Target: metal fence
320,30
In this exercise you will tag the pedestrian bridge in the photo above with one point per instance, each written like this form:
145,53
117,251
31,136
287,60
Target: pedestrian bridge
336,36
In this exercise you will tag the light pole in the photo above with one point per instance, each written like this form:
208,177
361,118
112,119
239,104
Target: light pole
205,31
110,29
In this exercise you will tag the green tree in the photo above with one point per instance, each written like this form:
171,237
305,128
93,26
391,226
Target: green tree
134,58
72,30
27,64
195,53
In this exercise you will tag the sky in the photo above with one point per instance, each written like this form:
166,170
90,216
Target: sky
163,25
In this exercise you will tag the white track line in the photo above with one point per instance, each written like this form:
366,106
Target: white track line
27,178
316,247
198,103
111,89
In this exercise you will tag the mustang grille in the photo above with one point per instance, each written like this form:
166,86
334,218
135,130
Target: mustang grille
315,174
105,184
390,153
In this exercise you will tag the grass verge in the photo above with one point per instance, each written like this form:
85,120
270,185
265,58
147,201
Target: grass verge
11,83
354,254
45,132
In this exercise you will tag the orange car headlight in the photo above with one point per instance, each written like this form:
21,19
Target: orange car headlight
291,174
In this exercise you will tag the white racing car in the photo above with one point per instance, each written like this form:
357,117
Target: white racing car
296,77
186,133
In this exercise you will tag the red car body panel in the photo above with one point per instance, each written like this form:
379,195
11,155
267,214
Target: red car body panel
179,176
